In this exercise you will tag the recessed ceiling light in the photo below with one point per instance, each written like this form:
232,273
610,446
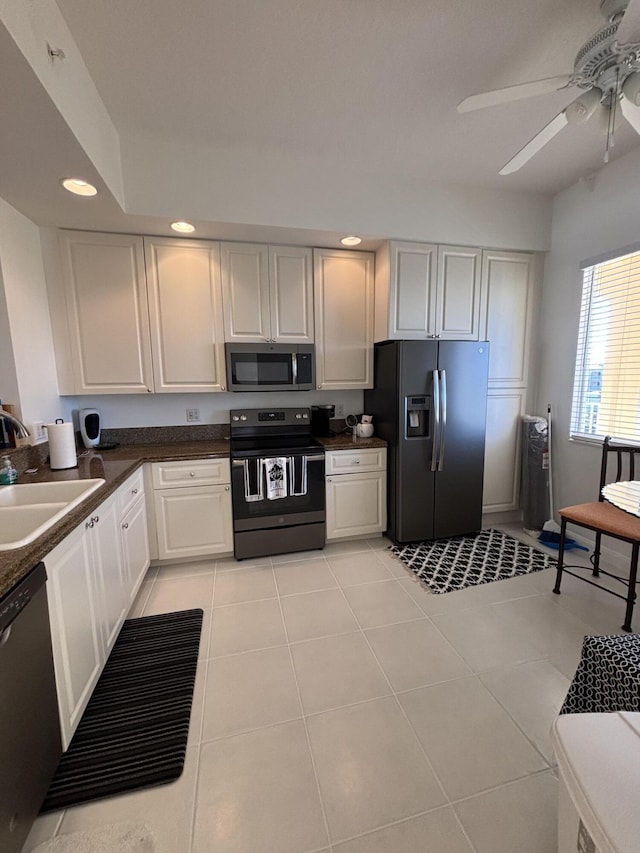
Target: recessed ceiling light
183,227
79,187
352,240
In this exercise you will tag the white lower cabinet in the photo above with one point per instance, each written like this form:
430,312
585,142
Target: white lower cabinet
112,594
505,408
192,520
92,578
81,618
356,492
134,533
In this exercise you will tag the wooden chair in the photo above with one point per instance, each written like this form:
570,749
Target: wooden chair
607,520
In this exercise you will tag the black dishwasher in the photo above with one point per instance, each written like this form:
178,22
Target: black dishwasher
30,743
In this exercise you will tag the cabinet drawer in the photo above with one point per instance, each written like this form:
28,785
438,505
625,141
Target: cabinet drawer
352,461
129,492
194,472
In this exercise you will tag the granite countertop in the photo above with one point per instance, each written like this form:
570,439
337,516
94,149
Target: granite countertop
114,467
345,441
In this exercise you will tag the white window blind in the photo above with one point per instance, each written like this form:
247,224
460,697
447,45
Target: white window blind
606,390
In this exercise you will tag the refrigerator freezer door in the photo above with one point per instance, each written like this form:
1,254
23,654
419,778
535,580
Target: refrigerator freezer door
414,479
458,484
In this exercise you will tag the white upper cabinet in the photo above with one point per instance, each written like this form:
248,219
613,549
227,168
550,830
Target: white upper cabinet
343,296
405,291
267,293
291,294
457,313
104,291
507,310
427,291
185,311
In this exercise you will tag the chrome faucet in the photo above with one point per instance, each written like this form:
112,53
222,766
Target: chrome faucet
20,428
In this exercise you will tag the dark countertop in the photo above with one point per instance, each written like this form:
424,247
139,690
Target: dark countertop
344,441
114,466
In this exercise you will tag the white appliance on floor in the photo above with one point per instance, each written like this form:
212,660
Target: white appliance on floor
599,765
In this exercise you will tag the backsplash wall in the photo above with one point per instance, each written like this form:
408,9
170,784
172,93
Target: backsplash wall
132,410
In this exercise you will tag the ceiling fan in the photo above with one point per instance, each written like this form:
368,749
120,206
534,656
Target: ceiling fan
606,68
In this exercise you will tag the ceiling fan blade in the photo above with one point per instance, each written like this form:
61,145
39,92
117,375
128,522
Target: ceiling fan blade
534,145
629,29
632,113
514,93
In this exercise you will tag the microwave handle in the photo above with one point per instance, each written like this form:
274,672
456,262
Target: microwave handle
294,368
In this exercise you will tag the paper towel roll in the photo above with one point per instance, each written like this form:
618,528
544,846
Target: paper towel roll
62,446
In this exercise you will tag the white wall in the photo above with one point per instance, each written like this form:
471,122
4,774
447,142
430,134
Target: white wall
588,219
28,315
8,377
68,83
131,410
261,187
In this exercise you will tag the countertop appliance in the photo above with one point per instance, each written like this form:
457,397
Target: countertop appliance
321,419
429,403
277,483
30,743
89,420
270,367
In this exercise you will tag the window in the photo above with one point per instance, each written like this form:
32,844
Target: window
606,390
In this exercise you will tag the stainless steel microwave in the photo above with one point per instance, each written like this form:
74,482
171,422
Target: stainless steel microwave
270,367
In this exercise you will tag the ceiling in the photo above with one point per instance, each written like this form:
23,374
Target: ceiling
367,84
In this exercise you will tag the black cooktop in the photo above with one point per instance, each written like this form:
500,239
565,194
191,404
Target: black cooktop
273,445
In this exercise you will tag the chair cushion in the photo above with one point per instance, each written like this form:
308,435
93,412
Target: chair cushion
605,517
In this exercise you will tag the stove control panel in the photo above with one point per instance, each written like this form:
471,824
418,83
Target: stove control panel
263,417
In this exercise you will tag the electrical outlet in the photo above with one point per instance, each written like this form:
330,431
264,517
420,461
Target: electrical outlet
339,410
193,416
38,432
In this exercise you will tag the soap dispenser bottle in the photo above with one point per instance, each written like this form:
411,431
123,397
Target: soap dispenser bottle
8,474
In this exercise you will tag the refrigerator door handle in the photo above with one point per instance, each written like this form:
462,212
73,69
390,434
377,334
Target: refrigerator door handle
443,418
435,444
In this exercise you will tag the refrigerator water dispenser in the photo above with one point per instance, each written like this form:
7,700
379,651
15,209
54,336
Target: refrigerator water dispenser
416,413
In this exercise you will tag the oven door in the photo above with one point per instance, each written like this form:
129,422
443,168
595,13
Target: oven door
304,502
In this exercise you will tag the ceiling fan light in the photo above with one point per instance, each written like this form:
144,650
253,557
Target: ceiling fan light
583,107
631,88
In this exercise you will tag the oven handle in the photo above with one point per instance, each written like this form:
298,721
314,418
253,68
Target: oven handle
250,496
292,477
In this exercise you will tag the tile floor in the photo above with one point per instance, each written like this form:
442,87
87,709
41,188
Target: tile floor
339,706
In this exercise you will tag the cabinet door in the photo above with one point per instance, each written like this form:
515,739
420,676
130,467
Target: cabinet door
405,291
507,296
291,294
111,584
458,293
245,291
75,630
502,449
193,521
108,322
185,310
356,504
343,296
135,548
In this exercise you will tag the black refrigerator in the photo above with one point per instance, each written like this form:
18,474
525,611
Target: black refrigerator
429,402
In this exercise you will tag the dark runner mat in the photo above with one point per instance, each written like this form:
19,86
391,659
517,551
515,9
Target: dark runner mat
133,733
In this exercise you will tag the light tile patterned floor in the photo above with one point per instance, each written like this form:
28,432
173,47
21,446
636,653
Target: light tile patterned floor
339,706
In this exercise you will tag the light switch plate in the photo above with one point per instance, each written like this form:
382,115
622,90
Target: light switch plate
193,416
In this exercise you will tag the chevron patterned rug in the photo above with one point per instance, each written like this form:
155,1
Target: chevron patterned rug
446,565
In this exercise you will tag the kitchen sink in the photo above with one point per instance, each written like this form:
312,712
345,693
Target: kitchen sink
28,509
